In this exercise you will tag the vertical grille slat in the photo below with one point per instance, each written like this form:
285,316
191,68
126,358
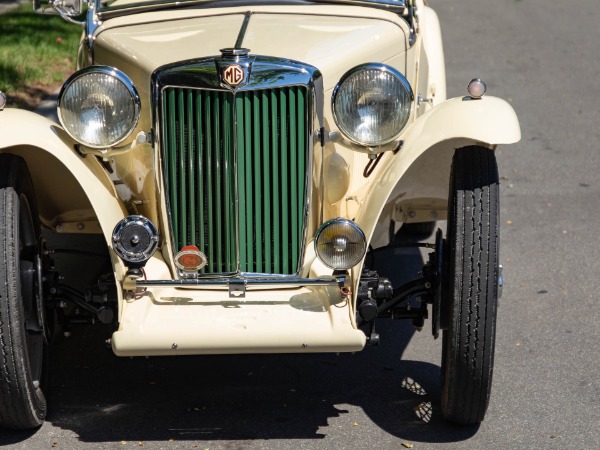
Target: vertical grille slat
190,162
247,180
217,182
181,162
207,182
275,220
293,173
258,195
229,180
199,180
285,238
251,146
302,132
266,171
241,172
171,160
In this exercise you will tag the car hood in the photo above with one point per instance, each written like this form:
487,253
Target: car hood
333,39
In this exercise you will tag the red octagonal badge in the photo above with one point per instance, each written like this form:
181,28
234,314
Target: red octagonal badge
233,75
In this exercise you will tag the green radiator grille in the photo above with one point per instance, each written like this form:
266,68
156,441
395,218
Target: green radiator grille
252,146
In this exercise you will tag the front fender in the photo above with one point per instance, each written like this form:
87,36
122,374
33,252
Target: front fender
66,183
426,155
489,120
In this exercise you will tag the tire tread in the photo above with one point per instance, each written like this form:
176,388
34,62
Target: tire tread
21,406
474,242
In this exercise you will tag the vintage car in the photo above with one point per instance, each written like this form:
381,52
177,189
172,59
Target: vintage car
241,159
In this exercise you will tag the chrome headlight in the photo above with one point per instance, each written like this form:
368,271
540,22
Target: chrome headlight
371,104
340,244
99,106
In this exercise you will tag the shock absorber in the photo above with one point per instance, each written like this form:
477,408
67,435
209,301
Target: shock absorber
372,291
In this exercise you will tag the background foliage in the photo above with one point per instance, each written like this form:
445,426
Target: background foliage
37,53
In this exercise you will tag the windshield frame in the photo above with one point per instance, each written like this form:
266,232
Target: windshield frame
104,10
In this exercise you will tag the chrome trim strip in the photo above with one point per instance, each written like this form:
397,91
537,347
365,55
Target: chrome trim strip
395,6
92,22
208,283
108,12
204,74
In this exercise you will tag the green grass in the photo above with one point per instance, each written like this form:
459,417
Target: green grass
36,54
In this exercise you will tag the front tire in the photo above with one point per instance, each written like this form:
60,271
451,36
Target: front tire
23,347
471,290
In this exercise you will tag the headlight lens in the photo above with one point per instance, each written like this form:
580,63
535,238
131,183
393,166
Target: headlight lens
371,104
99,106
340,244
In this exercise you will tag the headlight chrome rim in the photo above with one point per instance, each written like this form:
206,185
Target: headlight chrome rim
144,254
384,68
120,77
354,228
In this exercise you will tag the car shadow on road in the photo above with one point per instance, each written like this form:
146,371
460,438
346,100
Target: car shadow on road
103,398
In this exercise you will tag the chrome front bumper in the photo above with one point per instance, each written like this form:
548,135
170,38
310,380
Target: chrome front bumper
236,285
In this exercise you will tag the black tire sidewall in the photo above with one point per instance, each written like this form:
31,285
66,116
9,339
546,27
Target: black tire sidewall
468,342
25,405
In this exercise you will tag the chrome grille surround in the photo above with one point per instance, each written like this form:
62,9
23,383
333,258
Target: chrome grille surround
262,74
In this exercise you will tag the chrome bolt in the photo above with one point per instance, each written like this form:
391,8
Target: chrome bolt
142,137
335,136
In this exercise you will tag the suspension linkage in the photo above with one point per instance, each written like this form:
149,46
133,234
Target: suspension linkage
402,294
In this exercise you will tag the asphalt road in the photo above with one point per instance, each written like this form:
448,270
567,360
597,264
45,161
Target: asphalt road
542,56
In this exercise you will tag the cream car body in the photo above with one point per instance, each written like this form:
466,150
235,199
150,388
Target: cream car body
89,190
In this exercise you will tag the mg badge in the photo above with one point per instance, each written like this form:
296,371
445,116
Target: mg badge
233,75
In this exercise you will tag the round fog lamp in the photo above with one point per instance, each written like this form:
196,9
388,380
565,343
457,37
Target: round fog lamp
135,239
340,244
